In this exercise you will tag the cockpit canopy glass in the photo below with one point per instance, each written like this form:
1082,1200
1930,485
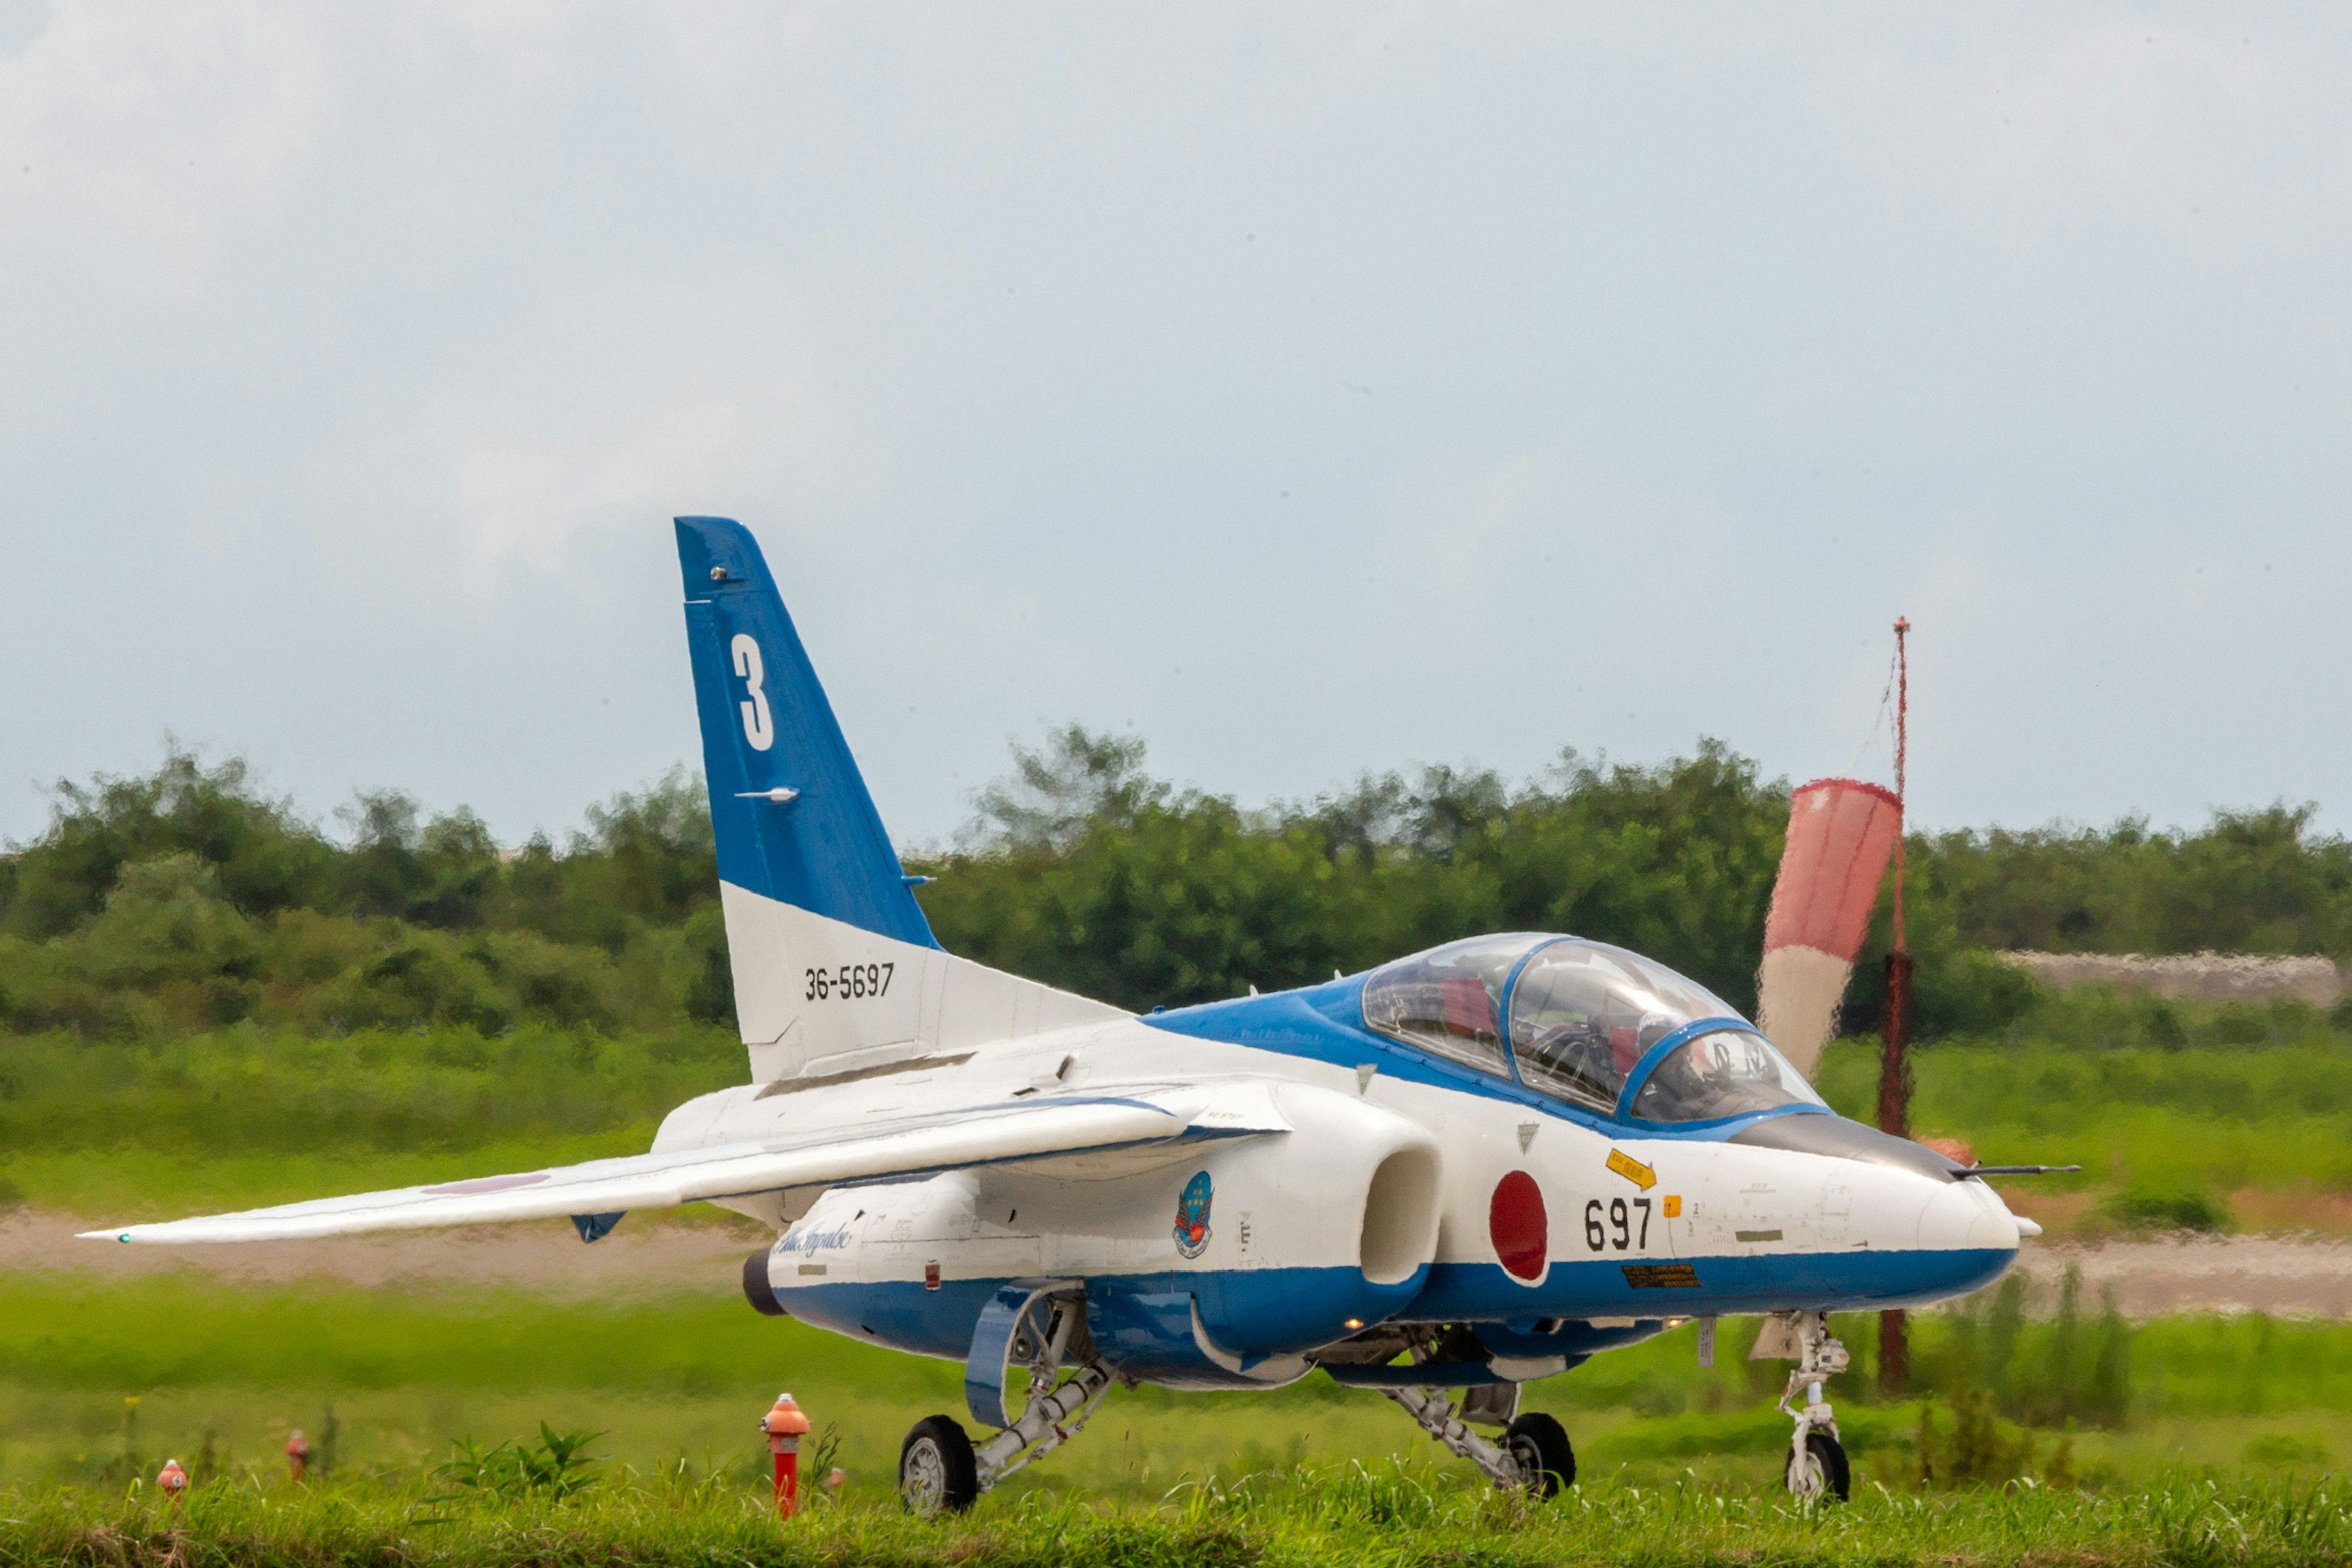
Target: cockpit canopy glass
1448,1001
1584,1013
1582,1017
1721,1073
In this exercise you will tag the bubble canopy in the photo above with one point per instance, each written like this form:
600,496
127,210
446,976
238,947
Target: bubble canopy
1585,1021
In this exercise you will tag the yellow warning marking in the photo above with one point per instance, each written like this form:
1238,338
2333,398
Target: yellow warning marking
1632,1170
1673,1205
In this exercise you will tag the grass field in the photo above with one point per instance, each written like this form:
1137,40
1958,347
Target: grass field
2253,1131
2213,1136
2080,1439
1340,1514
219,1376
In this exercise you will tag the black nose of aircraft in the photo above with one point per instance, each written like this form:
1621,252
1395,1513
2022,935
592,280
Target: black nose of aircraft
1847,1139
1963,1236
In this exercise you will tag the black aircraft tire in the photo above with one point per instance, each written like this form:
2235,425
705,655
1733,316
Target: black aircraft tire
938,1472
1541,1445
1829,1456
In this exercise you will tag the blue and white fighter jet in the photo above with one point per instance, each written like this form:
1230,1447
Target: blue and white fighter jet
1465,1170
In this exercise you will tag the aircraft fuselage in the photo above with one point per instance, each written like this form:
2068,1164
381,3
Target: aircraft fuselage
1558,1230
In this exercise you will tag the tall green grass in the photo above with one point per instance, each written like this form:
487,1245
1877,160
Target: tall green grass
283,1092
252,1114
1343,1514
139,1127
243,1115
411,1370
2164,1133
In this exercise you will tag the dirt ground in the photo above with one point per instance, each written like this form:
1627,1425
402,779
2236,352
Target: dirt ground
643,1256
2284,1276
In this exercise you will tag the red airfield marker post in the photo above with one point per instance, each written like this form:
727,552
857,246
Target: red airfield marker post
785,1425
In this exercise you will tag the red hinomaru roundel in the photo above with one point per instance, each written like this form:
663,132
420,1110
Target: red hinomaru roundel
1515,1219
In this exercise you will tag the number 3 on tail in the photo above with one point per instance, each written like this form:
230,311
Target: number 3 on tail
758,728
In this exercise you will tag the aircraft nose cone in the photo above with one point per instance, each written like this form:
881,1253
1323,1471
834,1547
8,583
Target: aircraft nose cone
1967,1216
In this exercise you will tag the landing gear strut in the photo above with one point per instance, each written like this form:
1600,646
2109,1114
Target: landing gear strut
1534,1454
1817,1465
1044,1332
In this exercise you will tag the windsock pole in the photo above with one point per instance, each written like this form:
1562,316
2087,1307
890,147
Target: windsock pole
1894,1068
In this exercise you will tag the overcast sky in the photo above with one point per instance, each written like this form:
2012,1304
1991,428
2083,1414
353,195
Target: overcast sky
1305,389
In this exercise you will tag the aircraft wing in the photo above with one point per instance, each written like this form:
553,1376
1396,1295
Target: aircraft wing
1018,1129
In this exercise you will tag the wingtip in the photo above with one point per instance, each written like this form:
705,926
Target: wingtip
102,1236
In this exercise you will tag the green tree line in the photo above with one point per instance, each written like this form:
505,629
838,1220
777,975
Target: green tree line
190,897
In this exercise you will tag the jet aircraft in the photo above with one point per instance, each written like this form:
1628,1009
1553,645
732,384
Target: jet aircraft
1460,1171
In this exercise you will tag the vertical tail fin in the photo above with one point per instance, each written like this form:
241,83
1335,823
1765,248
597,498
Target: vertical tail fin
793,819
830,951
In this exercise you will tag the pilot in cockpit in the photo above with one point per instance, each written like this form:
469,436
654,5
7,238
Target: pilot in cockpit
1582,1017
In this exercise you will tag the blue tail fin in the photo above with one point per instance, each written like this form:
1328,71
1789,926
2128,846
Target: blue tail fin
793,820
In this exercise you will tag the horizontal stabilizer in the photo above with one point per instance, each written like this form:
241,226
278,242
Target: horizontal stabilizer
989,1135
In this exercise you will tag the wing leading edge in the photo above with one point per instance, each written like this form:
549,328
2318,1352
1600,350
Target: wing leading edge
989,1135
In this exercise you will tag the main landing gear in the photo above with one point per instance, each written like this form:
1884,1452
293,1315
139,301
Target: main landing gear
1534,1454
1042,1332
1466,1386
1817,1465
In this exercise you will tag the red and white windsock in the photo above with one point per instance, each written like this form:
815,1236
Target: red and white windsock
1840,834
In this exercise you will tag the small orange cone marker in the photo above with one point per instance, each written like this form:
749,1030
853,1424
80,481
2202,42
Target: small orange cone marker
173,1480
297,1455
784,1426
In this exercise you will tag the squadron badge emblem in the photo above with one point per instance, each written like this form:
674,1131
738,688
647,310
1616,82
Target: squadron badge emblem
1193,1216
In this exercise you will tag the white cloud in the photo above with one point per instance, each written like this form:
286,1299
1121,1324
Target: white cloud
1061,348
137,138
2107,126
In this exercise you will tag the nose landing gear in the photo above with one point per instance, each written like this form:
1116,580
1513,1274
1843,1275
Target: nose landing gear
1817,1464
1818,1469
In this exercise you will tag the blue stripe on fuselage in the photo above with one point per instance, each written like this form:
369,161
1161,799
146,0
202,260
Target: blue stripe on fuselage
1253,1311
1845,1282
1262,1311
